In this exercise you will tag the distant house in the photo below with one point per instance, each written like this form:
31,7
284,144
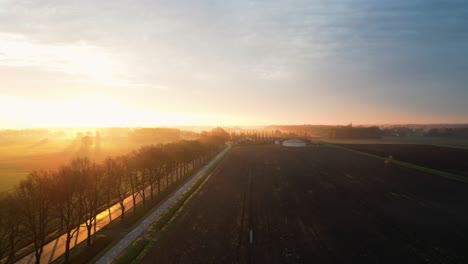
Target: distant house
294,143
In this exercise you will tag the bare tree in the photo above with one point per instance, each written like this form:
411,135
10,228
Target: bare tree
116,173
157,160
9,225
132,175
34,194
92,191
67,187
143,162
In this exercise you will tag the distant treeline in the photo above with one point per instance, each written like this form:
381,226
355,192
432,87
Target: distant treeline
373,132
131,135
333,132
247,137
438,131
348,132
58,201
8,136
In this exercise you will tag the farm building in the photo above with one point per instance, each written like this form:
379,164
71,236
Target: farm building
294,143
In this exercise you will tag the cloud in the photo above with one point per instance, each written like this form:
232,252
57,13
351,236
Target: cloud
86,62
160,52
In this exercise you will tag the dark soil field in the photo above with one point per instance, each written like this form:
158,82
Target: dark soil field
454,160
318,205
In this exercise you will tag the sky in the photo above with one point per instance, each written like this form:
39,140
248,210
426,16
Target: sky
207,62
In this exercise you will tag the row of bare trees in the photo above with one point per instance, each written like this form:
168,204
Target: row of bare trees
49,203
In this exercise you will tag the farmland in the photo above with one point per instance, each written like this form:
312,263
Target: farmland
46,149
455,142
453,160
318,205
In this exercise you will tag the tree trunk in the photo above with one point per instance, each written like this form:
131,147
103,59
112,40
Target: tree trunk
88,239
122,209
67,248
38,256
134,202
95,222
11,254
159,186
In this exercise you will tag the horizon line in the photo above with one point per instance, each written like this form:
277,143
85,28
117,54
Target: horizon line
236,126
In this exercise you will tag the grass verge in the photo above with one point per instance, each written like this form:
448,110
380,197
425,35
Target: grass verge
83,254
136,252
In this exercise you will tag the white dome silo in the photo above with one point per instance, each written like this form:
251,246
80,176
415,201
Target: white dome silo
294,143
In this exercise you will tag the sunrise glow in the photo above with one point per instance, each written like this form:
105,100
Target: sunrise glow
266,63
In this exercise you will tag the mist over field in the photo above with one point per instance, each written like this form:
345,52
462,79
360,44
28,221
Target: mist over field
22,151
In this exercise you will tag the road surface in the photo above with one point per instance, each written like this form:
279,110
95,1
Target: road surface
137,231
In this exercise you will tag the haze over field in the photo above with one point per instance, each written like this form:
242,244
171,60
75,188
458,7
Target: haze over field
153,63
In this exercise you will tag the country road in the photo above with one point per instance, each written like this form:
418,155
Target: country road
56,248
137,231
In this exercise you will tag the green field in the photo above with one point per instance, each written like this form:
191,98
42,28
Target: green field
18,159
22,151
8,179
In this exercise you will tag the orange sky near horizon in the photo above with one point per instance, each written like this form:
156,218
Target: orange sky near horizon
233,63
105,112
